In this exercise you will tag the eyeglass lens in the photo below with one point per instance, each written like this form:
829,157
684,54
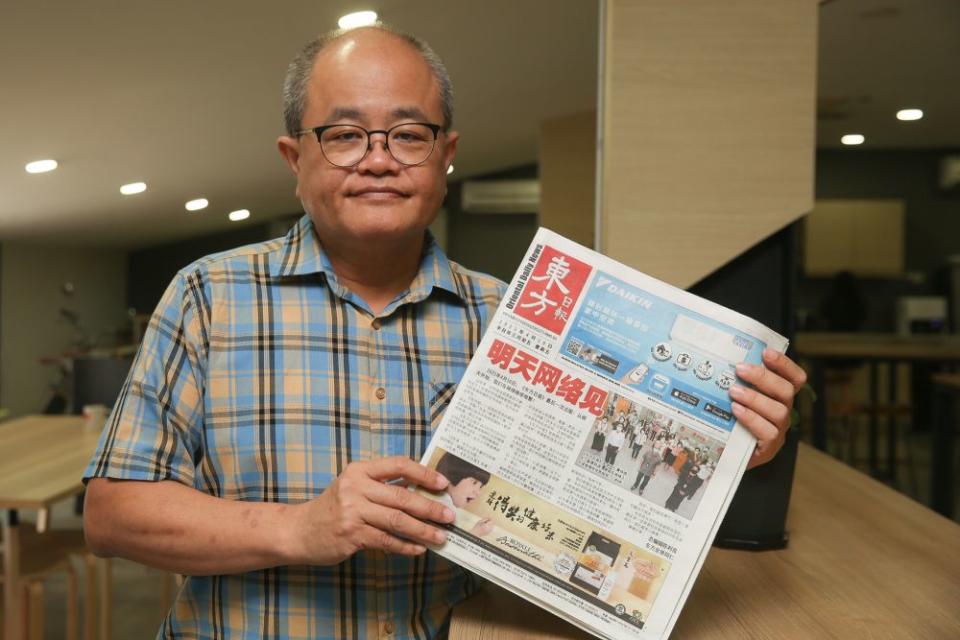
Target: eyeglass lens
345,145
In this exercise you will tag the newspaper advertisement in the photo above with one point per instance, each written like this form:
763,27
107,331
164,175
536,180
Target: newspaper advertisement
591,447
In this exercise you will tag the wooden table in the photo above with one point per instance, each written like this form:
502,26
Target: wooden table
42,459
875,349
863,562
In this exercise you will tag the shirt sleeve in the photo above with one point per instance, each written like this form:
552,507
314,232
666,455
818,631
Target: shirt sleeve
155,429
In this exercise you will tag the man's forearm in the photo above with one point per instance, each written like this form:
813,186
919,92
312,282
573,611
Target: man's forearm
177,528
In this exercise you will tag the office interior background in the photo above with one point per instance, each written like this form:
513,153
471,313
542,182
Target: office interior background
183,99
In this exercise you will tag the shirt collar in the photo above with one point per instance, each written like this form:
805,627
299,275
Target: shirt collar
435,272
301,254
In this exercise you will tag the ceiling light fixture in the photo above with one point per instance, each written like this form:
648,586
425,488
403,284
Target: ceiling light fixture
852,139
41,166
357,19
909,114
196,205
238,215
133,188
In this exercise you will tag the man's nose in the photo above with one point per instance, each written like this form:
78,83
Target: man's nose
378,157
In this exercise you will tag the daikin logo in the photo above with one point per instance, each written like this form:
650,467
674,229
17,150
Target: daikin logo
622,292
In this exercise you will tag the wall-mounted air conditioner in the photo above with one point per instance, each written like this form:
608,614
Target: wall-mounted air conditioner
950,174
501,196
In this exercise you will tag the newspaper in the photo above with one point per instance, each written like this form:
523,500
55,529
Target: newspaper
591,445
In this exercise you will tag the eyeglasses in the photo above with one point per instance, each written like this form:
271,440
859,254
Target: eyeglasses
345,145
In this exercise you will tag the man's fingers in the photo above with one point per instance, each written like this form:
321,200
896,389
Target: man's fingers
772,410
397,497
373,538
767,382
403,525
397,467
785,368
767,433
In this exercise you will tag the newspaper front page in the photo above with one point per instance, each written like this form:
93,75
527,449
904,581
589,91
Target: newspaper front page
591,447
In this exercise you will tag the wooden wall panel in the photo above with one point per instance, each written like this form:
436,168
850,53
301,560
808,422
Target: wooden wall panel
708,129
862,236
568,161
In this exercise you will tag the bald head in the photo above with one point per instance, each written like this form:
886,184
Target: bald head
297,80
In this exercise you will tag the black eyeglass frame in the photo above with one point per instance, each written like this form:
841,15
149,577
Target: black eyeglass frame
318,131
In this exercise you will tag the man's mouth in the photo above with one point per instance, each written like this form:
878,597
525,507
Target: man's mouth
378,193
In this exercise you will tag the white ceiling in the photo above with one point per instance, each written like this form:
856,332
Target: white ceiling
185,95
879,56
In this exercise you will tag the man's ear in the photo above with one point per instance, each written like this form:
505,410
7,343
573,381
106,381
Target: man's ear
450,148
290,150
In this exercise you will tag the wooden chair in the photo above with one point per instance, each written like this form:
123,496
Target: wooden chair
170,583
847,413
42,555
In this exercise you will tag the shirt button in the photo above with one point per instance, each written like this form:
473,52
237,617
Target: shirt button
381,393
376,323
389,627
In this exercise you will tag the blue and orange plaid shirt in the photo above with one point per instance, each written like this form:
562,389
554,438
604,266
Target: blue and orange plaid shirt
260,378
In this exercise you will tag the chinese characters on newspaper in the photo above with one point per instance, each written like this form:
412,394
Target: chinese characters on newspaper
590,447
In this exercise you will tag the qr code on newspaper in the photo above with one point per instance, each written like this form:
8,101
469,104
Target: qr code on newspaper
574,347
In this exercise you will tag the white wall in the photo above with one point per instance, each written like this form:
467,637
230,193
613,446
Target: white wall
31,325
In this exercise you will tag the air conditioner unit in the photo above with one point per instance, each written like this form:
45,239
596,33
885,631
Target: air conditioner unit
950,174
501,196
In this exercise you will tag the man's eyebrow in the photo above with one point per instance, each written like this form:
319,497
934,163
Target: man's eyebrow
344,113
413,113
400,113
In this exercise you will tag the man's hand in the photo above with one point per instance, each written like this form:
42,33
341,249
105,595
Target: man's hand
765,409
360,510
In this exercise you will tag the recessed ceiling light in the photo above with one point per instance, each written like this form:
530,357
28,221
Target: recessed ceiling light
133,187
909,114
196,205
41,166
357,19
852,139
449,169
238,215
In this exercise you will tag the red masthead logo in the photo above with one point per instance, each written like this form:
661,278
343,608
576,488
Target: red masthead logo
552,290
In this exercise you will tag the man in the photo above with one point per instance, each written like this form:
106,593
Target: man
686,485
690,459
647,468
614,442
284,390
640,434
600,434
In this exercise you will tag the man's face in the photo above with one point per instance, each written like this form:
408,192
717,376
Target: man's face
375,80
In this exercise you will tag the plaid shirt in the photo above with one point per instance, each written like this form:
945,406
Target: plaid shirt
260,378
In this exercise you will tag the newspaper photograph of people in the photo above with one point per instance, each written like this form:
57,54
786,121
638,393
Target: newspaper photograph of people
591,447
650,453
